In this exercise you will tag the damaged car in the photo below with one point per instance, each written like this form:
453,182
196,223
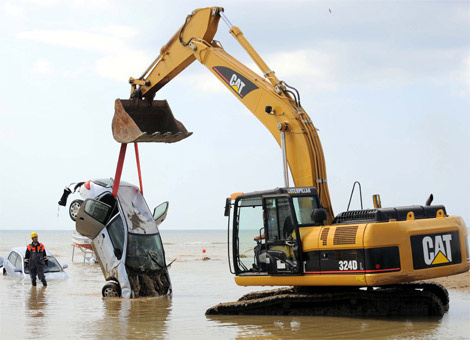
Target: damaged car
125,239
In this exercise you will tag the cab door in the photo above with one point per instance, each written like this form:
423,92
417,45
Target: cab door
282,236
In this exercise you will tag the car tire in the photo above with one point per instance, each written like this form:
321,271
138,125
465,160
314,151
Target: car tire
74,208
4,271
111,289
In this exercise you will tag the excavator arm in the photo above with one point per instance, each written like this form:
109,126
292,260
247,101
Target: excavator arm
275,104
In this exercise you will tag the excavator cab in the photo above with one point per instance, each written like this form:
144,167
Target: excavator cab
266,230
138,120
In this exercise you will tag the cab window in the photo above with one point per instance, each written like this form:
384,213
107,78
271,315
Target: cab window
279,218
304,207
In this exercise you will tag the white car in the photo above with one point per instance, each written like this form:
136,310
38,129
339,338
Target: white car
125,239
13,265
91,188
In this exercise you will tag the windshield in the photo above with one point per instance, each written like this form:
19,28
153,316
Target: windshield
136,212
52,267
145,252
304,206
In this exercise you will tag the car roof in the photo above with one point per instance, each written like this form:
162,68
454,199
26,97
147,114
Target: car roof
22,251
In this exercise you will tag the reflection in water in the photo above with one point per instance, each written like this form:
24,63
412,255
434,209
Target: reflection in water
36,302
36,308
134,318
321,327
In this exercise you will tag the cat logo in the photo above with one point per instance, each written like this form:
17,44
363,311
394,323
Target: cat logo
238,83
437,249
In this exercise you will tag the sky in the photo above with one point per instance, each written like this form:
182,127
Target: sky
387,84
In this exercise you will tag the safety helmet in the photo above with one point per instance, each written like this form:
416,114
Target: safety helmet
34,234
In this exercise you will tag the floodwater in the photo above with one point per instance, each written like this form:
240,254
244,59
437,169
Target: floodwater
74,307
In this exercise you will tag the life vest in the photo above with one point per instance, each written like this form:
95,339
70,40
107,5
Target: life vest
37,248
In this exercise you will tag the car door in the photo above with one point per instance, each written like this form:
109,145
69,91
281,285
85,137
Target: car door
11,265
19,265
91,217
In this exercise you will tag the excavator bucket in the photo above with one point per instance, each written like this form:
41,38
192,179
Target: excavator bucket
142,121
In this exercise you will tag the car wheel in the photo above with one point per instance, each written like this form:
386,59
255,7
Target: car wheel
111,290
74,208
4,271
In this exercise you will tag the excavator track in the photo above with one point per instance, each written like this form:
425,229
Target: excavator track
410,299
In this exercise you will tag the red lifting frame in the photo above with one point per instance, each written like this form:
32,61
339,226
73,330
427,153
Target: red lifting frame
120,164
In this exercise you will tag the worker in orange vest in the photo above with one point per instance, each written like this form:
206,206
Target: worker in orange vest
35,258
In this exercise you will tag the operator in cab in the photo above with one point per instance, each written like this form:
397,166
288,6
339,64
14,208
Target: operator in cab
35,258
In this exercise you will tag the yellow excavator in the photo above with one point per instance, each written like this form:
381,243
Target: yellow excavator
290,236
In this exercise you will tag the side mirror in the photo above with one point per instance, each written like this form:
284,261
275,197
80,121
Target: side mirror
17,270
227,207
159,213
65,266
319,216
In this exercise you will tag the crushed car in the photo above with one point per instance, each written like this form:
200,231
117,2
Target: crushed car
125,239
14,266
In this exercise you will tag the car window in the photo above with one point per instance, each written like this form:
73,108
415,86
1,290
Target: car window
18,263
13,258
116,234
52,266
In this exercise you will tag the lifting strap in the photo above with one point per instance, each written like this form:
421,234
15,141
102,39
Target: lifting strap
120,164
137,160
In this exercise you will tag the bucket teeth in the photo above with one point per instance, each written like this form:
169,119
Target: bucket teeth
136,121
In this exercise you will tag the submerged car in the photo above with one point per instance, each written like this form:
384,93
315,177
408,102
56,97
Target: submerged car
13,265
125,239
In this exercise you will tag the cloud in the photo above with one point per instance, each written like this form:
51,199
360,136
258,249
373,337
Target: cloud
41,2
42,67
124,64
316,67
71,3
118,31
116,60
81,40
12,10
203,81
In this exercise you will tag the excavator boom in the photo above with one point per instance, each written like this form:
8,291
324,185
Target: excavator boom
273,102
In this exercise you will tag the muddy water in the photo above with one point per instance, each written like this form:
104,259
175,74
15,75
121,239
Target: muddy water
74,307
